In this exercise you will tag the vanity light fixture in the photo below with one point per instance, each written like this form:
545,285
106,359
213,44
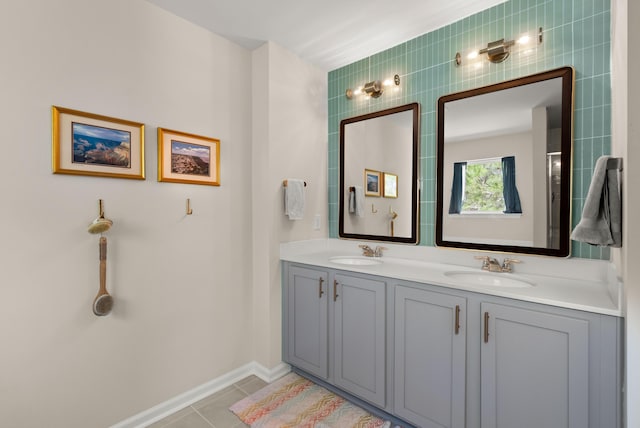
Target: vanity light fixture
374,89
499,50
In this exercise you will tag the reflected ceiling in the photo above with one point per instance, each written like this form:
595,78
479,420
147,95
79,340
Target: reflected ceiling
502,112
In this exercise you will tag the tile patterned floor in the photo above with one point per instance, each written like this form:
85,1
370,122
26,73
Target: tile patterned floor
213,411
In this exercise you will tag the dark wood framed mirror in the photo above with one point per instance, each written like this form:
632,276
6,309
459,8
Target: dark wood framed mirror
374,146
504,156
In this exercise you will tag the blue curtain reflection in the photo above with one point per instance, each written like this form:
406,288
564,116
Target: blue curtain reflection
509,189
455,205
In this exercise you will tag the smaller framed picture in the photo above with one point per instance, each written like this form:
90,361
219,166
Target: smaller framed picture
390,185
371,182
188,158
91,144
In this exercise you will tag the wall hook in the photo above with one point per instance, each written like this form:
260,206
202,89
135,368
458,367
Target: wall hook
373,209
100,224
189,210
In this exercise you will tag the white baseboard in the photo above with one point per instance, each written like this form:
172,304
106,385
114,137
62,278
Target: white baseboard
270,375
187,398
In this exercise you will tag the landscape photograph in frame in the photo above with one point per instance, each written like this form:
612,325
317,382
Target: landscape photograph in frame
188,158
96,145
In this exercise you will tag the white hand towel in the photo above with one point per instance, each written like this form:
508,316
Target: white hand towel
359,196
601,216
294,199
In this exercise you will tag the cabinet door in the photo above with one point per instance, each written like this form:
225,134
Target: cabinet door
307,320
359,336
534,369
429,358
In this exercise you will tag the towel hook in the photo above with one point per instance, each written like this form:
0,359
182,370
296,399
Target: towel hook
189,210
614,163
373,209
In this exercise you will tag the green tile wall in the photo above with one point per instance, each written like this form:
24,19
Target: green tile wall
576,33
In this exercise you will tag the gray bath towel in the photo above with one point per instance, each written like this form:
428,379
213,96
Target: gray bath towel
601,222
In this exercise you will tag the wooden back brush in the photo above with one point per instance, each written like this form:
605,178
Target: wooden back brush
103,302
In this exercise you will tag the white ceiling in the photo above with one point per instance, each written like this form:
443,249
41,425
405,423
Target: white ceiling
328,33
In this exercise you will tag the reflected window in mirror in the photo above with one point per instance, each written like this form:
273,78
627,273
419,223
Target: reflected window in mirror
504,165
485,186
379,155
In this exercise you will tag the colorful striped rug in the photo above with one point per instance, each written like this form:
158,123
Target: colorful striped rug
293,401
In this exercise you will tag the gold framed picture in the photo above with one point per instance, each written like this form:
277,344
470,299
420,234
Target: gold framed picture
371,182
92,144
390,183
188,158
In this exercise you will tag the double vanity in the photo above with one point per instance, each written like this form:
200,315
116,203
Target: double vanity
427,336
451,336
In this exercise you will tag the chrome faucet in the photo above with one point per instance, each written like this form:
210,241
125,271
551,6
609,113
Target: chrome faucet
493,265
370,252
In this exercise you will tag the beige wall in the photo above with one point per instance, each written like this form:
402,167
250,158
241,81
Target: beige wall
182,284
626,134
195,296
632,235
289,141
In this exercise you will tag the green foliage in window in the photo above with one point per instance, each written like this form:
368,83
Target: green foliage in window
483,187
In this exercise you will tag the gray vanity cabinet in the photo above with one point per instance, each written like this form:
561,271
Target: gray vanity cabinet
429,358
359,337
448,358
307,328
534,369
336,330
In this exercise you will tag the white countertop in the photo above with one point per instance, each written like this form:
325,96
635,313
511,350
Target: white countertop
587,285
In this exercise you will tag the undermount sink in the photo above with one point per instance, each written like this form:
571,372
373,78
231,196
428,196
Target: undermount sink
355,261
490,279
